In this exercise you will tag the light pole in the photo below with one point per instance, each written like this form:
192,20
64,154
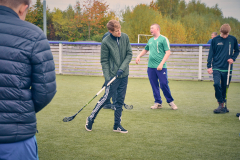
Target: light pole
44,18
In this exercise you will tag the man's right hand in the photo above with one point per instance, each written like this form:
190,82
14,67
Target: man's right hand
209,70
137,59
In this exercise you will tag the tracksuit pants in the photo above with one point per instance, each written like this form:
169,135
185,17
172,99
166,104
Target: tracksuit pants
220,84
159,77
119,85
114,99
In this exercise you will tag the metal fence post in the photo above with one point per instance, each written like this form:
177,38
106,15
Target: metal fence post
200,63
60,58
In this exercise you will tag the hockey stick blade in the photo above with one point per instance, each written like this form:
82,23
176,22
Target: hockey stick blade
128,107
67,119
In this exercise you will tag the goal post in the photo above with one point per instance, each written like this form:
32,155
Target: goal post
139,35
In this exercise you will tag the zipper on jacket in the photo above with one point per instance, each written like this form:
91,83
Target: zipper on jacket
119,49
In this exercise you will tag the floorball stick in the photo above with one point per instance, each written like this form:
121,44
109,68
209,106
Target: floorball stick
229,67
67,119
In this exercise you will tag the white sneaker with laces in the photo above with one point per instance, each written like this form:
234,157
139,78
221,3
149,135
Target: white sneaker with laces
156,106
173,106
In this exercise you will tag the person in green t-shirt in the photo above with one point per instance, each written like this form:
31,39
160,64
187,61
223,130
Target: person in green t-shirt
159,48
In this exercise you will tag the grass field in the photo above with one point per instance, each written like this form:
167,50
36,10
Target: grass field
191,132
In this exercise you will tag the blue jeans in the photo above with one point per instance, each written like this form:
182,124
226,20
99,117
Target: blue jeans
159,77
23,150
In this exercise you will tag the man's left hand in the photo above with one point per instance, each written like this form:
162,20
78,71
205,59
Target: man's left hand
119,73
230,61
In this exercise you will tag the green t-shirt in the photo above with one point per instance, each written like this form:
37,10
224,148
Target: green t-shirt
157,50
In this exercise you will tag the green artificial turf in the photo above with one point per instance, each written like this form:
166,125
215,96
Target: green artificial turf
191,132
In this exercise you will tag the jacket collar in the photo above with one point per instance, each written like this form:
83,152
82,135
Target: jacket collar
7,11
115,38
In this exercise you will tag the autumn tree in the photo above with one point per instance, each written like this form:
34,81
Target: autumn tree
168,8
154,6
93,13
35,14
138,21
65,29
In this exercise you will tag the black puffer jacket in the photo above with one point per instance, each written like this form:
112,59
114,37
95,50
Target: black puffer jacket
27,76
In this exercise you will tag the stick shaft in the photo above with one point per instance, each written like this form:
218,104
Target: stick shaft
229,65
92,99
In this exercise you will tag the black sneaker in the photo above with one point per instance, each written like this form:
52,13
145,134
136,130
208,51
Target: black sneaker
120,129
88,125
220,109
238,114
227,110
107,106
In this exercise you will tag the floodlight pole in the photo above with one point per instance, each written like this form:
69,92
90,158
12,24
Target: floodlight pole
44,18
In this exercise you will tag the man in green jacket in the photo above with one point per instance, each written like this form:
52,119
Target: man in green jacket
116,54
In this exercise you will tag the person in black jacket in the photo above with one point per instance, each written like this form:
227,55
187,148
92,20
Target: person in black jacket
223,52
27,80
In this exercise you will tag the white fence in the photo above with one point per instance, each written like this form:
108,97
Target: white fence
184,63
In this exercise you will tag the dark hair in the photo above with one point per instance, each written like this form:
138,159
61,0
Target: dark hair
14,3
113,24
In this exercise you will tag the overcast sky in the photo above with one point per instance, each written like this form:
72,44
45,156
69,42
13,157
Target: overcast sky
230,8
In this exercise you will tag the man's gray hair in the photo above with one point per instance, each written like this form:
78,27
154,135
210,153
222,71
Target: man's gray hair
215,33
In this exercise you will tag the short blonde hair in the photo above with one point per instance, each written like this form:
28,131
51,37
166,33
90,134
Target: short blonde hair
155,24
225,28
113,24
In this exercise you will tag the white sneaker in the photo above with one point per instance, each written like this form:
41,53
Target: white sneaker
172,105
156,106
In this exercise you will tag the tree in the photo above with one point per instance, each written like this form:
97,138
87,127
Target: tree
35,14
168,7
94,11
69,13
173,30
138,21
154,6
39,16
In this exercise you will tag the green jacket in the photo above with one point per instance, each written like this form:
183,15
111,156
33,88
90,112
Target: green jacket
114,57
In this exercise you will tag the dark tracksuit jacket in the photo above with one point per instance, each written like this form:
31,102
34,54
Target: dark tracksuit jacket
217,60
219,52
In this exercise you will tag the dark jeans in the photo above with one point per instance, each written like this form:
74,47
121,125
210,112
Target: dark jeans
118,86
220,84
114,99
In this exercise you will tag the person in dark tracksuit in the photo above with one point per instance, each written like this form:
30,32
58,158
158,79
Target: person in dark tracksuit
116,54
223,51
27,80
159,48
